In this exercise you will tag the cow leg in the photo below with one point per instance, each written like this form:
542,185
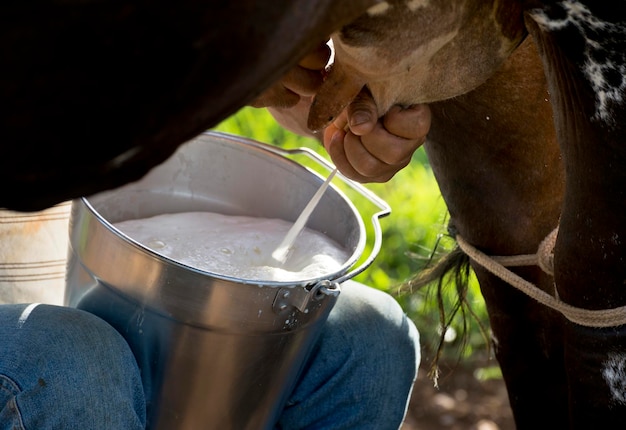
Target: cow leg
502,181
583,55
529,351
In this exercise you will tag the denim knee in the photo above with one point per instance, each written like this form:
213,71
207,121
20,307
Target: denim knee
361,371
68,369
373,325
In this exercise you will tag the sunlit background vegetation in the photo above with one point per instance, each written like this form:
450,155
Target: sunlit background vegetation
415,229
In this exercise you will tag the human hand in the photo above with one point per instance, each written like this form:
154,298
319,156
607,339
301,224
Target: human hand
363,146
366,148
289,100
300,82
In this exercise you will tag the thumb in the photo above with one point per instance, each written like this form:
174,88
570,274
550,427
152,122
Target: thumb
362,113
337,91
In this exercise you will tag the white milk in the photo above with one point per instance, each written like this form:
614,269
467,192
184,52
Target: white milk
236,246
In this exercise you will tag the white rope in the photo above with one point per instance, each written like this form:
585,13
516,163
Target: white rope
544,258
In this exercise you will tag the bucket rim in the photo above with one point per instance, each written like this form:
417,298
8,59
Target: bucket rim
253,145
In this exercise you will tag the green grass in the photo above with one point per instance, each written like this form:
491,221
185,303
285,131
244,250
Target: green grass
410,234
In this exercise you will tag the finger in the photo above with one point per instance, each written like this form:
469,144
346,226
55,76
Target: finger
412,122
353,160
341,122
302,81
333,142
336,92
316,59
369,167
294,118
277,96
388,148
362,113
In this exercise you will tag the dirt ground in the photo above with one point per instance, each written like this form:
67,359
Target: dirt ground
462,402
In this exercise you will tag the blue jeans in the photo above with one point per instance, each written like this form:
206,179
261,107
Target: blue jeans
62,368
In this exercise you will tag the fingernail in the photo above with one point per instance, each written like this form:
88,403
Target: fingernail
359,118
337,136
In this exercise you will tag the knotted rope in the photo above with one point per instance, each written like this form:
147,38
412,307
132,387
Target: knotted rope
544,258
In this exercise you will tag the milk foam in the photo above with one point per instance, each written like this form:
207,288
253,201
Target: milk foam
237,246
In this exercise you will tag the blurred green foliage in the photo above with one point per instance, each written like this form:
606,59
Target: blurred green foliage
413,231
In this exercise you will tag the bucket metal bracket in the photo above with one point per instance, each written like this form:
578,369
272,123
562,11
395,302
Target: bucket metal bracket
301,297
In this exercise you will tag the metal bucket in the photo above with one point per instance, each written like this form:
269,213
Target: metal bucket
215,352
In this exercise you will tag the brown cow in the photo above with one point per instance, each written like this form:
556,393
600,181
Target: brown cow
572,375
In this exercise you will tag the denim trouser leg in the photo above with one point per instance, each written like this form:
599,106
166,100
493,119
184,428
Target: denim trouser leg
61,368
362,369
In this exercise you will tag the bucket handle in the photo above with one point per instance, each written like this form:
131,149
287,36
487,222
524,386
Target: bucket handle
384,207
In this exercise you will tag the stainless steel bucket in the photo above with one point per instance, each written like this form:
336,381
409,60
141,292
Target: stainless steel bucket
215,352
